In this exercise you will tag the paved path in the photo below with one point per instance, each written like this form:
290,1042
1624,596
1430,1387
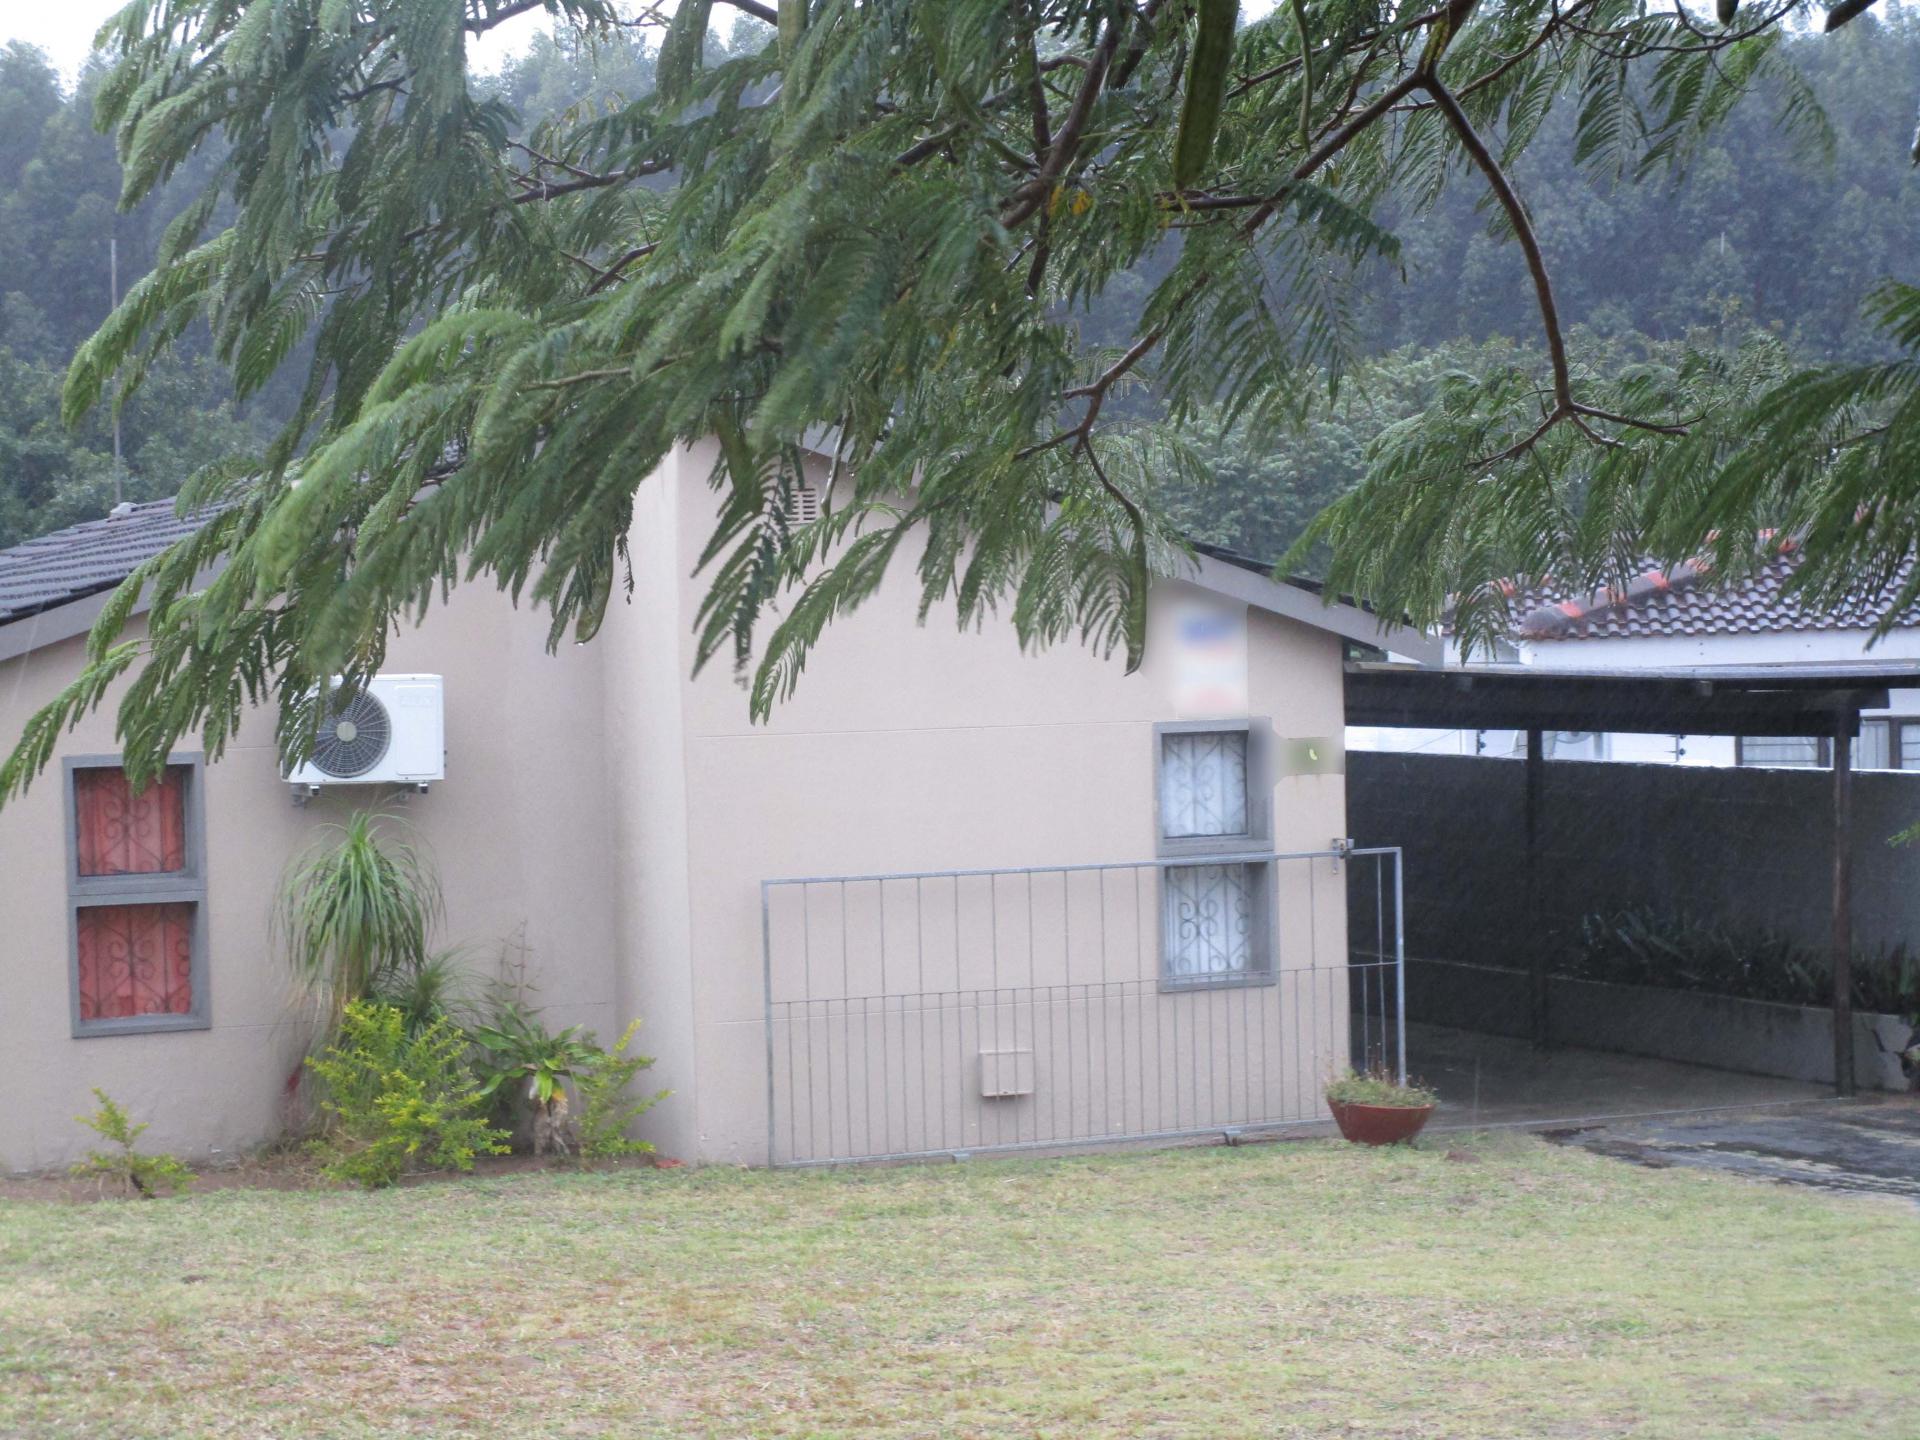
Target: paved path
1492,1080
1870,1145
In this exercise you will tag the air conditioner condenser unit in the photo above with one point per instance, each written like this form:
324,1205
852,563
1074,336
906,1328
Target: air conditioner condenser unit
392,733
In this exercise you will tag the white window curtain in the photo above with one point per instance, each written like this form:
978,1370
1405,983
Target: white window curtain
1203,784
1209,912
1780,750
1874,749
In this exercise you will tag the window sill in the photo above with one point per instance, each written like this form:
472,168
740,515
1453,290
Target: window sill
1217,849
1233,980
139,1025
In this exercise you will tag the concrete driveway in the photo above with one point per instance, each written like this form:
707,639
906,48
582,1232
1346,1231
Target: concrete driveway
1870,1145
1492,1080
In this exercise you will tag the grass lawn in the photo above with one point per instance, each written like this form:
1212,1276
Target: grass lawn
1275,1290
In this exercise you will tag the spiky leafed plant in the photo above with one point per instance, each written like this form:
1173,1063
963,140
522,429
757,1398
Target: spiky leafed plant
885,222
439,987
354,914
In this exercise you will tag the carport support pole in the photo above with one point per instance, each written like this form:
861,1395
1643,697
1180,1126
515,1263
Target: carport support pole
1536,767
1843,729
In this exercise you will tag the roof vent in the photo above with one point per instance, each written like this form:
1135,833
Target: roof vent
121,511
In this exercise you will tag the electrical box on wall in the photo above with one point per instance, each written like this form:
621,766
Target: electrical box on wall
1005,1074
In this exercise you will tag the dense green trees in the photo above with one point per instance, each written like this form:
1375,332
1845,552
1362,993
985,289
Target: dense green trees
1754,231
1786,247
59,193
954,234
1758,241
59,190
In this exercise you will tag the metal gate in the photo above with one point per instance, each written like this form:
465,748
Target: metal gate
958,1011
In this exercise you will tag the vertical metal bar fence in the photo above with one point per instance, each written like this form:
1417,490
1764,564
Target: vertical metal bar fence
1056,1006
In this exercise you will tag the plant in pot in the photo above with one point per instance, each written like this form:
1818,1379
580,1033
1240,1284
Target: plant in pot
1371,1107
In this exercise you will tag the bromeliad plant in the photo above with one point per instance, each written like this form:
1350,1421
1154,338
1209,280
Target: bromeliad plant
518,1052
520,1059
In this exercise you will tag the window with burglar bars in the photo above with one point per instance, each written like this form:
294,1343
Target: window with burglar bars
136,899
1216,916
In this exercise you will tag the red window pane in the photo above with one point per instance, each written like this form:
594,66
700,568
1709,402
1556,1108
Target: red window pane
135,960
121,833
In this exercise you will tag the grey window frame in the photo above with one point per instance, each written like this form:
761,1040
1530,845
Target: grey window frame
1896,726
186,887
1253,849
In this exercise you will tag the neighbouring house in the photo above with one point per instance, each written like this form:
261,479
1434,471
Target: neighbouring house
1680,619
1002,845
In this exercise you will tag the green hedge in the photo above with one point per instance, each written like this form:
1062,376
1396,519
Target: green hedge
1678,951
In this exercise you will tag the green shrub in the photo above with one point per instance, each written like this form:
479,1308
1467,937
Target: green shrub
396,1100
1376,1087
1678,951
142,1175
606,1109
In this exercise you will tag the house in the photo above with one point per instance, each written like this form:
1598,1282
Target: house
1679,619
964,809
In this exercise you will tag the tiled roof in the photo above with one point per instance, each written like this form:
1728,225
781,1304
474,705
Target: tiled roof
1685,601
85,559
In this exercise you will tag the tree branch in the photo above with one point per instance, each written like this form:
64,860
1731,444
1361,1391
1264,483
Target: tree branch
481,23
1095,394
1335,143
1042,143
1066,141
588,181
1509,199
1564,406
638,252
1136,52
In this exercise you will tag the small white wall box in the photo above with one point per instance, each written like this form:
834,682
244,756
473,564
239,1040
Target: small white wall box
393,733
1005,1074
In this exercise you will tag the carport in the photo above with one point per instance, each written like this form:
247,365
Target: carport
1821,701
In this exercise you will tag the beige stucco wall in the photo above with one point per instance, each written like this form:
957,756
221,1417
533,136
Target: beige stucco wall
908,749
621,817
520,830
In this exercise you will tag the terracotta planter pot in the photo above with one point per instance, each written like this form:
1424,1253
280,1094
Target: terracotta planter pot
1379,1124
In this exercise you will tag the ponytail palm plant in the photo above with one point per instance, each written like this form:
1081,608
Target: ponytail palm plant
355,910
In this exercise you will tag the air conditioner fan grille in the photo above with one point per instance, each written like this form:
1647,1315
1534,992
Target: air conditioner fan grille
353,738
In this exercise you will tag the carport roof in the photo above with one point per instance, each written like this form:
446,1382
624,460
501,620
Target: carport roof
1786,699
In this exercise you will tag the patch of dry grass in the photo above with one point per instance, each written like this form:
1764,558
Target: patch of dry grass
1290,1290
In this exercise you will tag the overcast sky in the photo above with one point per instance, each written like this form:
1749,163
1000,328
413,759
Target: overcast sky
65,30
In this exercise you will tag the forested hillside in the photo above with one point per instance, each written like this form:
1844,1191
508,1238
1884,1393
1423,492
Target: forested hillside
1760,239
59,183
